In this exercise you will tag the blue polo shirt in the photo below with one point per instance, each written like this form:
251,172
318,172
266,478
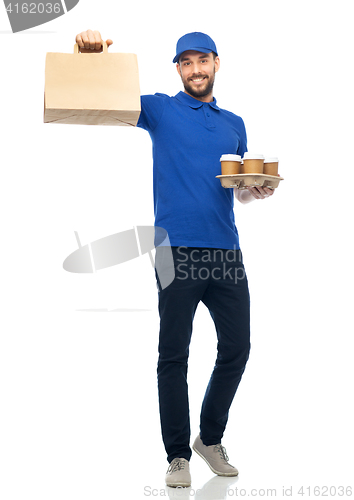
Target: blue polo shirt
188,139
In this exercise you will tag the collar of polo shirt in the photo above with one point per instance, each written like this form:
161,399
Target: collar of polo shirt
194,103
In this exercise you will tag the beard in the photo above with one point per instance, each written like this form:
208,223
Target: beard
202,90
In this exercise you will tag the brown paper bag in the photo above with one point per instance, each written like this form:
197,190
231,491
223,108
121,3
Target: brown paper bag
91,89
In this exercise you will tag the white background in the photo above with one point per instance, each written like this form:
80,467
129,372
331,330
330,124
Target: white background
79,411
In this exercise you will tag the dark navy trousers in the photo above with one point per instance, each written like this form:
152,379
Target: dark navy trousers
217,278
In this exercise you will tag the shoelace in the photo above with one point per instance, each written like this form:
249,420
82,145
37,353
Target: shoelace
176,465
222,452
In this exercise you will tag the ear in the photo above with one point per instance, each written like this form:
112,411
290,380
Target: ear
178,69
217,63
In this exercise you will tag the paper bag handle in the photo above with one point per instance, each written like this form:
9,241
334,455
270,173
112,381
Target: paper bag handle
105,48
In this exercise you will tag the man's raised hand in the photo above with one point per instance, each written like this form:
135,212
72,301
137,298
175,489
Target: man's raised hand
91,41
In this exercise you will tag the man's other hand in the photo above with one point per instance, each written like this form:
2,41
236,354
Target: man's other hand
91,41
260,193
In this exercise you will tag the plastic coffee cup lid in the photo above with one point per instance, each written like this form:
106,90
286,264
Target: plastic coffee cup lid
271,160
230,158
252,156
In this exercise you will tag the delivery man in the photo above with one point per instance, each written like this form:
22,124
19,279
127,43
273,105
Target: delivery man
189,134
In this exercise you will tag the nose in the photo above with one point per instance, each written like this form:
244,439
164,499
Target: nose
197,68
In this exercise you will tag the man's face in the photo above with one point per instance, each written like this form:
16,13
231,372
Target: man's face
197,71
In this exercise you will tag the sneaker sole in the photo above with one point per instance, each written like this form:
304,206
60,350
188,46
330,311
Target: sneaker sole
227,474
178,485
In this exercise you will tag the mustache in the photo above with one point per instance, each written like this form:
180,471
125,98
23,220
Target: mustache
197,76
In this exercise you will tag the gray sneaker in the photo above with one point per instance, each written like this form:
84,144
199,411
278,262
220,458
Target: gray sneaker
215,456
178,473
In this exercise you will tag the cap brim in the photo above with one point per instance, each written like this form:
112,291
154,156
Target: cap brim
198,49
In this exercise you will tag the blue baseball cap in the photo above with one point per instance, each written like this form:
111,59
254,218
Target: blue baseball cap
194,41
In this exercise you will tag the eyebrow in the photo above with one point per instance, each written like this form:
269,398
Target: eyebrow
203,56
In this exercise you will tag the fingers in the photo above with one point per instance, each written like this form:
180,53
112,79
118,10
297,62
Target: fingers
260,193
268,192
79,40
91,41
254,191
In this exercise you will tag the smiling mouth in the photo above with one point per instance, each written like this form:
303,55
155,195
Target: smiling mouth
199,79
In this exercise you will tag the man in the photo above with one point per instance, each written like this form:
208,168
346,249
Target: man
189,134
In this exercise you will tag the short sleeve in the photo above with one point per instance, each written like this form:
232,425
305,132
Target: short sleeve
242,147
152,107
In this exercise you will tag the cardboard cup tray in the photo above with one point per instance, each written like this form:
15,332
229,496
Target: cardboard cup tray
242,181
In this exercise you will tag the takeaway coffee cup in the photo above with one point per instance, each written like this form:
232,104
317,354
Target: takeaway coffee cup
230,164
270,166
252,163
